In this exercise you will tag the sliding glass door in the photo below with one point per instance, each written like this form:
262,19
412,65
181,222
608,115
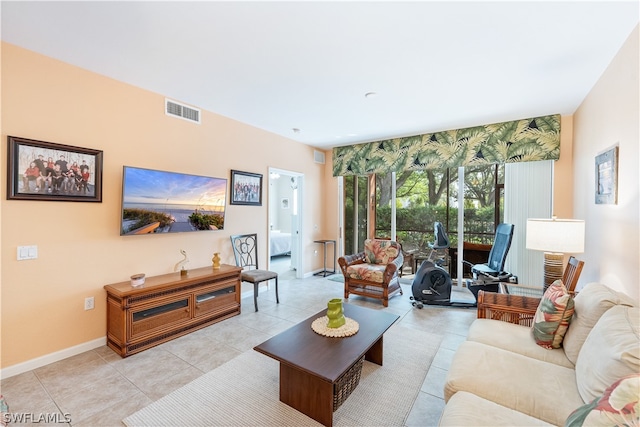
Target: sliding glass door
356,190
404,207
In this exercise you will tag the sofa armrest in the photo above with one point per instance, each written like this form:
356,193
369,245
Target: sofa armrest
516,309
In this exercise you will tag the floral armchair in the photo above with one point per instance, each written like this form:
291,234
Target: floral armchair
373,272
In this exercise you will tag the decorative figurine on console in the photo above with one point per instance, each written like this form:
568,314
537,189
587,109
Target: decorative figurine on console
180,264
216,261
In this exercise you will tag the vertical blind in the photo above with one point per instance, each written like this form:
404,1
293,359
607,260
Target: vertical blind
527,194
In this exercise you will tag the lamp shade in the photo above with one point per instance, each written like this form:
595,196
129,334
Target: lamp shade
555,235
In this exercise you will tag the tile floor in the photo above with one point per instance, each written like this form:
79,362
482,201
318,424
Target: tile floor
99,388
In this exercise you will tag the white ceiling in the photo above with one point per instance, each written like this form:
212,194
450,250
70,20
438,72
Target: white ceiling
307,65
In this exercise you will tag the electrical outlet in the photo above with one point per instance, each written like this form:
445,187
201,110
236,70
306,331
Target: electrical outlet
88,303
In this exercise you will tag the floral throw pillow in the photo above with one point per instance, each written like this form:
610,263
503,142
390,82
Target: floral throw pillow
553,316
618,406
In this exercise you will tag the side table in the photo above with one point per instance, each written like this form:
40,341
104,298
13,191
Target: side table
325,272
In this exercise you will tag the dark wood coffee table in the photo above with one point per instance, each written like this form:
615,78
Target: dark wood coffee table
310,364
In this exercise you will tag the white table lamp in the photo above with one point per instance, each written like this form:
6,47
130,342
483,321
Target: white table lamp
555,237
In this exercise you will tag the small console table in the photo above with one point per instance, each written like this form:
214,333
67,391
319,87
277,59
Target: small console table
325,272
168,306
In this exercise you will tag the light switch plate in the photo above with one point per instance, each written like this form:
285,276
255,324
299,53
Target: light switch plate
27,252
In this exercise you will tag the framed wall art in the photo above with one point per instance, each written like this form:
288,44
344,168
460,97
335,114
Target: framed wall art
246,188
607,177
39,170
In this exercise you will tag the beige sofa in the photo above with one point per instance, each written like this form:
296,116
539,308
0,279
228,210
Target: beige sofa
500,377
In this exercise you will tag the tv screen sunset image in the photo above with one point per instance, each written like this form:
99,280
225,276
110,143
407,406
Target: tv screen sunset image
156,201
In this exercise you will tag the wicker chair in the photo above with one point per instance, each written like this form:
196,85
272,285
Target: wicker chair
373,272
408,255
570,279
572,273
516,309
521,309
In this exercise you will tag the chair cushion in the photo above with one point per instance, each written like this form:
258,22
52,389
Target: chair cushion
610,352
484,269
618,405
369,272
380,251
590,304
553,316
257,276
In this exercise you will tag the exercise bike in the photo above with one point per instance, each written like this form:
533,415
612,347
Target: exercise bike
432,284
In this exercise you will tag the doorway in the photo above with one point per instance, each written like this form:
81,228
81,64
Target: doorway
285,223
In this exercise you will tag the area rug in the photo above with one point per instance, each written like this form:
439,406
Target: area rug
340,278
244,391
336,278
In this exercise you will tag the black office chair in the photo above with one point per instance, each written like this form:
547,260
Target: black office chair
245,250
488,276
441,242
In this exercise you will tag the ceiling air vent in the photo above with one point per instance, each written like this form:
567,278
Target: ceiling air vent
176,109
318,156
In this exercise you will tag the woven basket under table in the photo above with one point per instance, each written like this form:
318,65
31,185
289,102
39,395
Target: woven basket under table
343,387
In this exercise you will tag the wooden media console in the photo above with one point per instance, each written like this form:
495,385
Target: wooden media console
168,306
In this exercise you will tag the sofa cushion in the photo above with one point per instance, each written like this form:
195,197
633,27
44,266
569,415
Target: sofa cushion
536,388
516,338
553,316
618,405
610,352
590,303
467,409
379,251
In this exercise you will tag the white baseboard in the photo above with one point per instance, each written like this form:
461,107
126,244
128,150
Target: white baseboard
312,273
41,361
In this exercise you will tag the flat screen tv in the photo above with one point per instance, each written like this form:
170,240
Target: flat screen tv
156,201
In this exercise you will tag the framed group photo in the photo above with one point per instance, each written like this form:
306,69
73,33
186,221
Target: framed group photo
39,170
246,188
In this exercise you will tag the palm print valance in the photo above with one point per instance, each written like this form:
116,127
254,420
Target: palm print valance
525,140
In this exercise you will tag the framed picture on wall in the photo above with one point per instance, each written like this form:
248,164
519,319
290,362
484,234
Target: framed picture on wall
39,170
246,188
607,177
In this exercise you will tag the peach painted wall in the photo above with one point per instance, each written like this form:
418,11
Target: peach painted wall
563,171
79,246
330,200
609,116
